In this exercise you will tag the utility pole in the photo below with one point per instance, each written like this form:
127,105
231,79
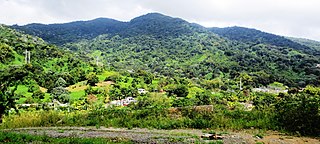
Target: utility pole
97,61
27,56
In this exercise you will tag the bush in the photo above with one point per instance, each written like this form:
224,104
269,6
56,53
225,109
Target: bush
177,90
114,78
204,98
38,95
92,79
6,53
182,102
60,94
300,113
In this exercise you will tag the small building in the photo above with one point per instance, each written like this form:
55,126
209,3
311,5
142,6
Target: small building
142,91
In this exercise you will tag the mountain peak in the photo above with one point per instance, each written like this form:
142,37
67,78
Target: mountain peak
153,16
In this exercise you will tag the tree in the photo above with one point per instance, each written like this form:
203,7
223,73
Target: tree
10,79
60,82
115,92
38,95
6,53
203,98
178,90
300,112
60,94
92,79
181,91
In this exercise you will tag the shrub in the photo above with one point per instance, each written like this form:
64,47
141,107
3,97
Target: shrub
177,90
300,113
60,94
92,79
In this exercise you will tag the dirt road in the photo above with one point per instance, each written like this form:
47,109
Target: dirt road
138,135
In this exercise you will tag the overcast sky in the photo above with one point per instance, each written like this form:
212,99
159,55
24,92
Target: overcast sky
297,18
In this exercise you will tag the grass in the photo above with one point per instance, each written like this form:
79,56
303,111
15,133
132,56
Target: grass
21,100
11,137
106,74
47,97
23,91
18,59
77,87
77,95
159,118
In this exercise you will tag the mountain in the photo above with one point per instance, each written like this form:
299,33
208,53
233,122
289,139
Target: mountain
309,43
159,25
248,35
173,47
149,24
73,31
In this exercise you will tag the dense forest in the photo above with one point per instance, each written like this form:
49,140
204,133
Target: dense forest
89,64
173,47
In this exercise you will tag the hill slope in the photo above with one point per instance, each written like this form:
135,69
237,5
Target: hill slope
173,47
248,35
73,31
203,56
309,43
149,24
47,63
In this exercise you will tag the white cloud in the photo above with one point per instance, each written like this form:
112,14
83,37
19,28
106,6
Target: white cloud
285,17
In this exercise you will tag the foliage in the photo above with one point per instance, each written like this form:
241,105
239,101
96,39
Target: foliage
177,90
148,117
48,63
182,66
92,79
300,112
38,95
204,98
60,94
12,137
60,82
9,81
175,48
6,53
256,36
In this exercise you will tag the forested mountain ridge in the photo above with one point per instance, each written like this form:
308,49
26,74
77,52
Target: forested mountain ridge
173,47
254,36
309,43
154,24
149,24
73,31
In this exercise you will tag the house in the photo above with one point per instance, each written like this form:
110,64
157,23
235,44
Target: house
123,102
142,91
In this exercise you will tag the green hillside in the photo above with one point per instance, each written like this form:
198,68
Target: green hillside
47,63
253,36
173,47
157,71
309,43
